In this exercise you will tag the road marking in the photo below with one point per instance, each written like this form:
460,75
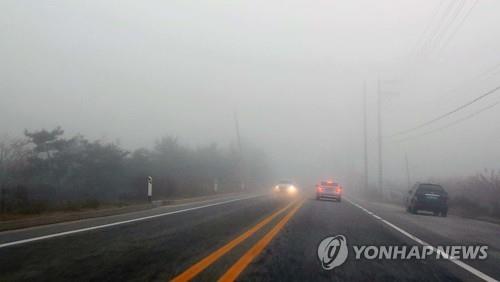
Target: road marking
421,242
235,270
65,223
24,241
195,269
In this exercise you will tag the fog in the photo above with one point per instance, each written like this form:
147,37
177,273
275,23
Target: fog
291,72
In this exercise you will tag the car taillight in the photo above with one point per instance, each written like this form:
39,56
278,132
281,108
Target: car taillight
338,190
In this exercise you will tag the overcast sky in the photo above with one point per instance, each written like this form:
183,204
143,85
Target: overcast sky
292,70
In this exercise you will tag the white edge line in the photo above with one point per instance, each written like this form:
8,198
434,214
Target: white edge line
24,241
116,216
414,238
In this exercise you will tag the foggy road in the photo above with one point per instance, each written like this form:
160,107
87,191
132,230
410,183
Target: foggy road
211,239
192,140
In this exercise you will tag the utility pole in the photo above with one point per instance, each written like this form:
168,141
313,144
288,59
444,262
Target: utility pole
407,171
365,133
240,153
237,126
379,133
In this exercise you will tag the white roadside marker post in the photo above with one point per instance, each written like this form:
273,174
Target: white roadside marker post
150,189
216,185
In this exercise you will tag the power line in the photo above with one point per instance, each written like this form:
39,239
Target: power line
440,23
456,12
450,124
428,26
486,74
447,114
459,25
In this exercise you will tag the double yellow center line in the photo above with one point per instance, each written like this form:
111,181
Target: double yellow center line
245,260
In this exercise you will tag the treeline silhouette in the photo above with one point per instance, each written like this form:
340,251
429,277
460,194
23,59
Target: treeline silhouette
44,171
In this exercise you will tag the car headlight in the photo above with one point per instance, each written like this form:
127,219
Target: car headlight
276,188
292,189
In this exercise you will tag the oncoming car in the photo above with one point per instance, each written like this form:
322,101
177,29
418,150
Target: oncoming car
329,190
427,197
285,187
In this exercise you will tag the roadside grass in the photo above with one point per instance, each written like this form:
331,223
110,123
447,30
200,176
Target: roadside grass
40,209
72,210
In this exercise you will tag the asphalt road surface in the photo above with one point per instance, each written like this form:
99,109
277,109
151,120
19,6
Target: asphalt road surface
258,237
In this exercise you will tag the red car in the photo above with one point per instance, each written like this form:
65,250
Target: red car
329,190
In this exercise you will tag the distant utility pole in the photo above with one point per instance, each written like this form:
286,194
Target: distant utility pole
237,127
365,133
379,134
407,171
240,152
